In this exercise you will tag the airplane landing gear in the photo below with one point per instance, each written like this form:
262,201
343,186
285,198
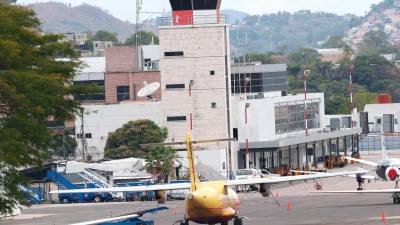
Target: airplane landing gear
238,221
396,198
184,222
360,181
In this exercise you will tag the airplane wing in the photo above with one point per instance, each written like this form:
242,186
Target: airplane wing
120,218
368,177
159,187
180,186
391,191
374,164
273,180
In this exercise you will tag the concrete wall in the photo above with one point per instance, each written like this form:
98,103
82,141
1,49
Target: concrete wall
261,116
121,59
205,50
132,79
102,119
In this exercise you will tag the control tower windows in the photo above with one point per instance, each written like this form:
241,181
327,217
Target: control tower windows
178,5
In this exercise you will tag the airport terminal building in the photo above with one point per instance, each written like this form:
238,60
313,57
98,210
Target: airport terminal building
201,92
270,126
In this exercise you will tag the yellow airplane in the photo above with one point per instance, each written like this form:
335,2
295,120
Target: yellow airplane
212,202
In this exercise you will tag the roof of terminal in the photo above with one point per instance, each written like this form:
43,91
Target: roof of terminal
263,68
391,108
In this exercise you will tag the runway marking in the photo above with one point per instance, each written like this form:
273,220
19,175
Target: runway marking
28,216
388,218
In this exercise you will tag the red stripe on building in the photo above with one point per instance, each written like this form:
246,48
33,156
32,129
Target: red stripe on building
184,17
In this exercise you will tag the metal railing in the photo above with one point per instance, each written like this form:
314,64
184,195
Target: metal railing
372,143
192,20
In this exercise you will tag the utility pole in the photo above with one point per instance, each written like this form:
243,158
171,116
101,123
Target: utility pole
306,75
83,136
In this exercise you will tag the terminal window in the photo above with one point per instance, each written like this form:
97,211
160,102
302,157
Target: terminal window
176,118
174,86
93,96
205,4
170,54
123,93
258,82
289,116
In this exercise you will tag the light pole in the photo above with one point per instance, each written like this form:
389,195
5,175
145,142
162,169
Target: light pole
351,93
306,75
246,81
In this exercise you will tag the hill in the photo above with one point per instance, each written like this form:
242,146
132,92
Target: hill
61,18
285,31
234,15
384,17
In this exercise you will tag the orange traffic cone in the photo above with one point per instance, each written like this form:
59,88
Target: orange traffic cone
289,205
383,217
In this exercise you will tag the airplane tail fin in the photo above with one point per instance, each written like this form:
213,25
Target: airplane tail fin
383,147
194,180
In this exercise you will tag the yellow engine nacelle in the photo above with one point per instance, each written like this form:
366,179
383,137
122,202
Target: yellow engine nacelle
161,197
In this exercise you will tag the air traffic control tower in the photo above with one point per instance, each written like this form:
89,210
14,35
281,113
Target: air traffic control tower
195,71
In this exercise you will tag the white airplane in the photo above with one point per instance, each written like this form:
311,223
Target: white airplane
387,169
124,218
213,202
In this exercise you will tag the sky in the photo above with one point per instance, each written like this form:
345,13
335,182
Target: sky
125,9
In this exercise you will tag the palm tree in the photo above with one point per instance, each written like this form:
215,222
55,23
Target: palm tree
160,161
348,52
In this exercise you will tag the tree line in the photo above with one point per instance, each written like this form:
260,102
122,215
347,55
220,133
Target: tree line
372,73
145,38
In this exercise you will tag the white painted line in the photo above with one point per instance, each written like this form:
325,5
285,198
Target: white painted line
387,217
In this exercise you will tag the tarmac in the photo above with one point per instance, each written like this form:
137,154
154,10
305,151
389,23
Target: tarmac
296,206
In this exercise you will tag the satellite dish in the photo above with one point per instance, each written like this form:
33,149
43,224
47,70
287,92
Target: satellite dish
148,89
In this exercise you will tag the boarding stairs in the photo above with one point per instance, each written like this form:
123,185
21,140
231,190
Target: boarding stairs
98,181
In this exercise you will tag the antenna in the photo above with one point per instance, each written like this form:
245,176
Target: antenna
148,90
137,28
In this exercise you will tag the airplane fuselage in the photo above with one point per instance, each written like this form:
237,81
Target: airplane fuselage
212,202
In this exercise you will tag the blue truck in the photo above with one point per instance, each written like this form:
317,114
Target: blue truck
138,196
64,183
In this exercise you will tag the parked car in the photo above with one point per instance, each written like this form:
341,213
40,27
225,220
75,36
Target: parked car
243,174
178,194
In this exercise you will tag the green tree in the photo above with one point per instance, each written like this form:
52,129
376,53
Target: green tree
372,70
264,58
145,38
8,1
376,42
126,141
334,42
103,35
63,145
305,58
362,98
32,89
160,161
337,105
